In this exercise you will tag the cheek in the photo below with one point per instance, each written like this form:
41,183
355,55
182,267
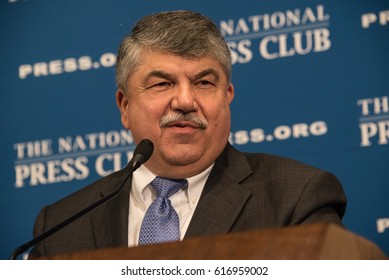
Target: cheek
223,122
219,122
218,112
144,117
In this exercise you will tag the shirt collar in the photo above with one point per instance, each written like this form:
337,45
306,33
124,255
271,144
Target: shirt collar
196,185
142,191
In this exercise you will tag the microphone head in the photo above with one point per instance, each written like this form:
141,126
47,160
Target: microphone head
143,151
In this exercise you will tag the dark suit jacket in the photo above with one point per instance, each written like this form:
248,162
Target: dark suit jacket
243,192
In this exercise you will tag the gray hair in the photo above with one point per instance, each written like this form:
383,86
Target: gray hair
184,33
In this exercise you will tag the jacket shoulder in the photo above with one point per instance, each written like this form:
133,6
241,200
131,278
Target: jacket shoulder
90,193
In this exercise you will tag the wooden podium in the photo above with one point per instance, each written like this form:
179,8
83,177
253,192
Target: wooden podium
309,242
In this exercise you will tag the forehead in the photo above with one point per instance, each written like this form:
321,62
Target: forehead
176,64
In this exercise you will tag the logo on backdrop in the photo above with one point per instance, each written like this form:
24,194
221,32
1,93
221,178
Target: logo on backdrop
14,1
374,120
375,19
281,34
382,225
282,132
67,65
69,158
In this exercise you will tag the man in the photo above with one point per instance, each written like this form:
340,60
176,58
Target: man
174,88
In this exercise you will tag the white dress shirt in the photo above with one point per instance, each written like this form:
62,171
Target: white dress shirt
142,195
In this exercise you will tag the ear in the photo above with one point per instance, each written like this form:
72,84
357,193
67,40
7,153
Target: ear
122,103
230,93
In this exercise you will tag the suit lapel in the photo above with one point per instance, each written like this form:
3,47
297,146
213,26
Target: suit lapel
110,221
223,197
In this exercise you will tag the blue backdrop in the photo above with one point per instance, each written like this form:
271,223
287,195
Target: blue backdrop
311,80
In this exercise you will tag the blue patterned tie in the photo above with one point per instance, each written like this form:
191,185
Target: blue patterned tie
160,223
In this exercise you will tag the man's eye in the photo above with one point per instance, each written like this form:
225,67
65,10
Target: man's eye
161,85
204,84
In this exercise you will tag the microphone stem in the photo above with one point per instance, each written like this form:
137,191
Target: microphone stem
21,249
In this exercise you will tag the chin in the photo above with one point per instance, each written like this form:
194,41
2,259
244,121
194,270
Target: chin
182,157
182,161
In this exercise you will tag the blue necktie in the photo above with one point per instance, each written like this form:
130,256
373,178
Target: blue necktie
160,223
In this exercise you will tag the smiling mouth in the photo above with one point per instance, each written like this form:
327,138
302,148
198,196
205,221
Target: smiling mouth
184,124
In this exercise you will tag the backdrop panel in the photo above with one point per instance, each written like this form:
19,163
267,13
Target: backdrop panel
311,81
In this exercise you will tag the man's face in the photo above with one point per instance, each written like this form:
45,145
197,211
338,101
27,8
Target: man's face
182,106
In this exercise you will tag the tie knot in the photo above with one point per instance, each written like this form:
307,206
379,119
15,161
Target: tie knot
167,187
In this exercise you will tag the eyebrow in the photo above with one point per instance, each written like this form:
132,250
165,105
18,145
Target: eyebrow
158,74
168,76
206,72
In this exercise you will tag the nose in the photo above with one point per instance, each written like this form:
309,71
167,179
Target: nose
184,99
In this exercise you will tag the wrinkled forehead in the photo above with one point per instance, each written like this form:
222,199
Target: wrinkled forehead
150,57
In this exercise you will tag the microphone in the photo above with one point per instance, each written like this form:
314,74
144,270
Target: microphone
142,153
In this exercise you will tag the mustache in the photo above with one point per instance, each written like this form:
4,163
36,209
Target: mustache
177,116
